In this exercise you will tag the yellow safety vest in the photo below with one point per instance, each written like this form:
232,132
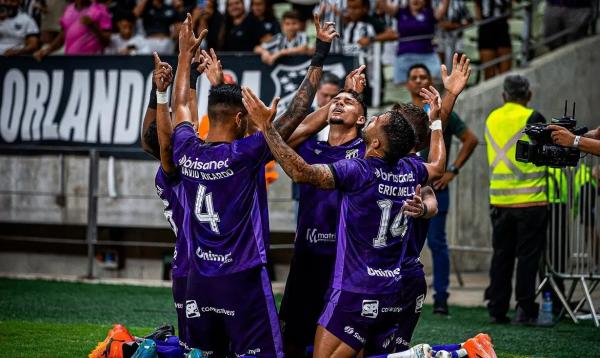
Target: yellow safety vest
558,186
583,176
511,182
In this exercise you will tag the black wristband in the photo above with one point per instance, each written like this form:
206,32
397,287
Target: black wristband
425,210
152,101
321,52
194,74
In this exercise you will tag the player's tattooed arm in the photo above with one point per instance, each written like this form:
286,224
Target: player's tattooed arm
295,167
312,124
454,84
299,107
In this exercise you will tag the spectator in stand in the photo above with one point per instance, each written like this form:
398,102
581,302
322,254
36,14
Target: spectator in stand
19,34
51,12
208,17
118,9
289,43
458,16
86,30
567,14
157,18
241,32
262,10
126,42
417,19
493,38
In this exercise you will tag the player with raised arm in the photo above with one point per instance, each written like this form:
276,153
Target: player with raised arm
230,306
373,231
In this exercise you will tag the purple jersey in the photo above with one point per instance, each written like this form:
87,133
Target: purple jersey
318,210
225,198
167,189
411,265
373,232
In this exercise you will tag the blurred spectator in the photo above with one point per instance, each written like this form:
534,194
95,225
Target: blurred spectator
85,30
458,16
561,15
157,18
241,32
291,42
262,10
493,38
19,34
208,17
126,42
417,19
33,8
362,30
51,12
118,9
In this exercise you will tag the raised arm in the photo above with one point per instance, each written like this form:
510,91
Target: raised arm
188,43
312,124
295,167
164,129
298,108
436,165
442,9
454,84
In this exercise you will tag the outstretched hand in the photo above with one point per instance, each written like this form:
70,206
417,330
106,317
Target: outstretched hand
356,80
162,74
213,68
432,97
326,33
188,42
259,113
414,207
456,82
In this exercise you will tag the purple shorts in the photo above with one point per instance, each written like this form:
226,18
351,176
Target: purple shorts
233,314
179,288
381,324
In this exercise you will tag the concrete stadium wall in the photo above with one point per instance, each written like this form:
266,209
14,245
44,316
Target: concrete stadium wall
569,73
30,184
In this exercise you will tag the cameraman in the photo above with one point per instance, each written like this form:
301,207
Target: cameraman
518,206
588,143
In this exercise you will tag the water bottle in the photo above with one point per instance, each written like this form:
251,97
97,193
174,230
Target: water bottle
545,317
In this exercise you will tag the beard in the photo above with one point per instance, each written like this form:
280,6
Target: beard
336,121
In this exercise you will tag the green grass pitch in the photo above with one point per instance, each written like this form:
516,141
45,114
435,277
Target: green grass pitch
61,319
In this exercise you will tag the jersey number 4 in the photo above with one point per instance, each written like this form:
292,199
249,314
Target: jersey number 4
398,227
205,199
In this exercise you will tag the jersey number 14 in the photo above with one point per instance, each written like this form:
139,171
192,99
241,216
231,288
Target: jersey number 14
205,199
398,228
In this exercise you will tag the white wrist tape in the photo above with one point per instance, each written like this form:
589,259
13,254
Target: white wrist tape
161,97
436,125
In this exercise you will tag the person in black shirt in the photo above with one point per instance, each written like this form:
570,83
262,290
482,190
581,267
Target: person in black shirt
242,32
157,18
208,17
262,10
493,38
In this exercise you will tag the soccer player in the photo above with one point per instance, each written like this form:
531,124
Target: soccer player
373,231
230,306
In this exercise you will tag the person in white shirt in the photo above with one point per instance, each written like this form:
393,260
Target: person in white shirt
19,34
126,42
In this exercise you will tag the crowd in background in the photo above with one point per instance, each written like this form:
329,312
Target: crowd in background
418,30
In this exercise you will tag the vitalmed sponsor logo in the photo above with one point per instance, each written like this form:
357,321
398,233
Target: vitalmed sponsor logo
313,236
191,309
210,256
216,310
395,273
178,305
249,352
370,308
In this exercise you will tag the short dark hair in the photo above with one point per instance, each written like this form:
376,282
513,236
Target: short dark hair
516,87
400,137
418,65
417,118
292,15
358,97
330,79
151,140
225,98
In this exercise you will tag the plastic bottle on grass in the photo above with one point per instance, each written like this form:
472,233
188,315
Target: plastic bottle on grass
545,317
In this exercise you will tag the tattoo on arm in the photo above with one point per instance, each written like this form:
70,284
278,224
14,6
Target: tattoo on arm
298,109
296,168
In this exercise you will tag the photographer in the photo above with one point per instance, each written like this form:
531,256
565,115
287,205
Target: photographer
588,143
518,206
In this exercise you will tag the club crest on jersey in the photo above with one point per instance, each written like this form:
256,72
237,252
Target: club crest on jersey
191,309
351,153
287,80
370,308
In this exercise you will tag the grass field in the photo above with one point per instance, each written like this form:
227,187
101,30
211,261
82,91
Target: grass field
60,319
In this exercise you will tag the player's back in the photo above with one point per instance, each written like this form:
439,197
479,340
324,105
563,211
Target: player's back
225,200
373,230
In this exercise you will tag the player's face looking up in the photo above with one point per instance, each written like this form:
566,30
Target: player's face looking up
418,78
346,110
